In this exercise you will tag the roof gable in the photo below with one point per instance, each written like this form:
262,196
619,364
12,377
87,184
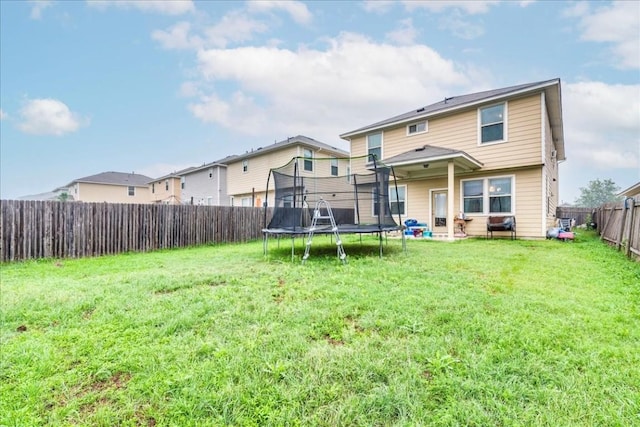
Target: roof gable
289,142
115,178
454,103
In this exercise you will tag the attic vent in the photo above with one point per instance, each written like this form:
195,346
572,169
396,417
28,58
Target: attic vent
420,110
420,149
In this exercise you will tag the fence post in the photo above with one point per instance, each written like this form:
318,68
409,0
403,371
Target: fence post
622,223
633,209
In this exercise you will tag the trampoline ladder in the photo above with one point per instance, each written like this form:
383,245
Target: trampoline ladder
317,215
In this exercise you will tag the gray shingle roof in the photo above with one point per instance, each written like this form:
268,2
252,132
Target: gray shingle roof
116,178
452,103
429,153
298,139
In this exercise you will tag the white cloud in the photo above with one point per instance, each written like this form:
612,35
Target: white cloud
177,37
296,9
460,27
3,115
37,7
165,7
322,93
378,6
617,24
233,27
48,117
602,125
471,7
404,35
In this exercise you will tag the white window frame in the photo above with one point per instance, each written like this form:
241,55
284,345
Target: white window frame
415,125
486,196
403,200
333,163
380,147
505,127
246,202
307,155
131,190
182,182
245,166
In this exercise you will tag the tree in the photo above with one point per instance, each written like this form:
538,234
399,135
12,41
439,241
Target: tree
63,197
597,193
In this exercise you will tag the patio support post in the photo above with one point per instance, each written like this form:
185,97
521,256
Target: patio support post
450,193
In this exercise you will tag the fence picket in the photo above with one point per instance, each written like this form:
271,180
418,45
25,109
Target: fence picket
55,229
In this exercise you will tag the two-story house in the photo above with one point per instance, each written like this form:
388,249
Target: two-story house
198,185
111,187
247,174
490,153
166,189
206,184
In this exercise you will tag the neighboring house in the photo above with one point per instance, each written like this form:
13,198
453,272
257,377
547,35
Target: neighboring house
206,184
247,174
490,153
112,187
166,189
633,191
59,194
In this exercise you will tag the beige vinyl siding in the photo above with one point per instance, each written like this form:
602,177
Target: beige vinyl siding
91,192
255,179
459,131
239,182
551,174
161,195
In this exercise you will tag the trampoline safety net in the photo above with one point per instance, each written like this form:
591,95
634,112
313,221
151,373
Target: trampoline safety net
361,203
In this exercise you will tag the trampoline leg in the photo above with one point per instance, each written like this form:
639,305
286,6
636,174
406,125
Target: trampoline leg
293,243
380,241
264,244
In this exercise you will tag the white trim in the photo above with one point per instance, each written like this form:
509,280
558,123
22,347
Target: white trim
545,201
366,141
501,97
426,127
430,210
245,161
543,125
486,196
406,193
505,124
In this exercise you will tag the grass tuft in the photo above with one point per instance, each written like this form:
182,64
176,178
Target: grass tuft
473,332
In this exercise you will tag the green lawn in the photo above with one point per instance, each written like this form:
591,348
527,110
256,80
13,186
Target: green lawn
473,333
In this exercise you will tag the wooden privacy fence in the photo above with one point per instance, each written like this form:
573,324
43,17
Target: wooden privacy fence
52,229
619,225
581,215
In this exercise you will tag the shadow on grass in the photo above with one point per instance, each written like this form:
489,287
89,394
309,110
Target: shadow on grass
325,248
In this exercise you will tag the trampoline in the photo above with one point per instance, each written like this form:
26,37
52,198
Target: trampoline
363,203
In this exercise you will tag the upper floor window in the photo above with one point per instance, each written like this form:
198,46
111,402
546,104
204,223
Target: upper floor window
374,145
182,182
211,173
153,187
308,159
415,128
166,185
492,123
488,196
245,165
334,167
131,190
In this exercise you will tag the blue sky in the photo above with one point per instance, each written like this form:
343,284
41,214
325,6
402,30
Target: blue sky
156,86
